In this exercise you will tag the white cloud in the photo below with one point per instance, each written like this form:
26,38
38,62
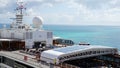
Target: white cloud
3,3
47,5
31,12
106,13
82,12
34,0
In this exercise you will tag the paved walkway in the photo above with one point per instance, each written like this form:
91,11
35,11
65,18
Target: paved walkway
17,56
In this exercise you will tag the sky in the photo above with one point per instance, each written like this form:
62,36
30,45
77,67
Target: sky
65,12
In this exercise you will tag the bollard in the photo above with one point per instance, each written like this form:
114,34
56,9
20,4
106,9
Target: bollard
25,58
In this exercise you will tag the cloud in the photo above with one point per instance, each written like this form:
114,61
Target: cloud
59,19
78,12
96,12
3,3
41,2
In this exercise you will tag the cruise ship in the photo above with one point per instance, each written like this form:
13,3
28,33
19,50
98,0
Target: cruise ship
26,46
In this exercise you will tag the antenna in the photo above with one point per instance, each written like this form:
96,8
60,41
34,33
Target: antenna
19,9
21,6
37,22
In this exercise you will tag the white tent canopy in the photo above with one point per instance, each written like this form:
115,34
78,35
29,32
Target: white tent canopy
74,52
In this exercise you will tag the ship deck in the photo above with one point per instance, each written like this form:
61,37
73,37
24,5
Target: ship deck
18,56
31,61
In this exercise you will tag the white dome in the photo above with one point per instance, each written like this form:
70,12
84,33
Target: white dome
37,22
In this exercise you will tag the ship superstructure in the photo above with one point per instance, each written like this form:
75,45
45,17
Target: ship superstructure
26,34
32,47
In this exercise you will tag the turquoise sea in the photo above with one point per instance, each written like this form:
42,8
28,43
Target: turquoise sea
95,35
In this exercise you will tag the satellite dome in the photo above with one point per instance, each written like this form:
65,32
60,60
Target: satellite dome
37,22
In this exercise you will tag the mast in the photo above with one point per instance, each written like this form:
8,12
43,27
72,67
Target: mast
19,12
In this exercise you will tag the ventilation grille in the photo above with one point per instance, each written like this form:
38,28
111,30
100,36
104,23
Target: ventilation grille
28,35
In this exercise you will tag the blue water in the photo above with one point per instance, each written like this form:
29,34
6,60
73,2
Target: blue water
95,35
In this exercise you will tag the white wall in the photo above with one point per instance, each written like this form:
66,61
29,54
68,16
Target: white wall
37,36
12,34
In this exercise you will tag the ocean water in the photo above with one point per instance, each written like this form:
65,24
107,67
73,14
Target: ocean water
95,35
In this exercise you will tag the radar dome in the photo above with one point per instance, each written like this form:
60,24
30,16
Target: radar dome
37,22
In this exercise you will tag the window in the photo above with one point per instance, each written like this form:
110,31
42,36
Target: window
71,56
68,56
102,51
90,52
0,59
98,51
78,54
94,52
60,58
86,53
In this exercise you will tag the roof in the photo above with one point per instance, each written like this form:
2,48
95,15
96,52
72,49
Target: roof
56,37
11,40
70,49
73,50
